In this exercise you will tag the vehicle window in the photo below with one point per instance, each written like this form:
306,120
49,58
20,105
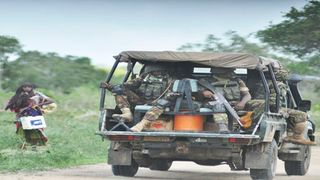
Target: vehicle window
137,68
119,73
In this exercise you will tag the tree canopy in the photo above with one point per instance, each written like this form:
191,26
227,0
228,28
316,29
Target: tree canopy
233,42
50,71
299,33
8,45
47,70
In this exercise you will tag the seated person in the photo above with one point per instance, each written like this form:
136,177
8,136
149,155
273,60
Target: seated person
144,89
233,89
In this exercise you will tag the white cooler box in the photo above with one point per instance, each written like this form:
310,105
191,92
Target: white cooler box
32,122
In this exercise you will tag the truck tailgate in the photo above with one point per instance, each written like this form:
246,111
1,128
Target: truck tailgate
245,139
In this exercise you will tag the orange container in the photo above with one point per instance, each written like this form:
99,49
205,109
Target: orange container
188,123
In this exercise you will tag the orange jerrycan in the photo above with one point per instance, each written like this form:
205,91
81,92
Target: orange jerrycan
188,122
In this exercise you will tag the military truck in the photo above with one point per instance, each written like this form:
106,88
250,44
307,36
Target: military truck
255,149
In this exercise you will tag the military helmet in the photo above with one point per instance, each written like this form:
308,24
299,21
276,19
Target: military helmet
281,74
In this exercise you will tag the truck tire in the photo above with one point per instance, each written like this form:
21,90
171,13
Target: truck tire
270,172
299,168
160,165
128,171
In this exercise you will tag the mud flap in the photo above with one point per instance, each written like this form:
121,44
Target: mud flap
256,157
121,156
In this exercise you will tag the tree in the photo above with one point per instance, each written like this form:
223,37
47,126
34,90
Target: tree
232,42
8,45
299,33
51,71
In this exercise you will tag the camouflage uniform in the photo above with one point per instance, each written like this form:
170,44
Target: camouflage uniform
142,90
257,108
233,89
295,118
160,101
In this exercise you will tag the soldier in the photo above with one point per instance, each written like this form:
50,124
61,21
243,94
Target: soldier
146,89
297,119
233,89
164,100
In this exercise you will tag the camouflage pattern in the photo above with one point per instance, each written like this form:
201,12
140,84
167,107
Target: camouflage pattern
154,113
281,74
232,89
254,103
257,108
142,90
220,118
283,94
294,116
153,86
257,104
235,89
122,101
146,89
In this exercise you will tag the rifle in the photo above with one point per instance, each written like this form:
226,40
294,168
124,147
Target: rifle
223,99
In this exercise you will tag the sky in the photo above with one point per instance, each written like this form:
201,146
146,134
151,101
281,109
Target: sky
100,29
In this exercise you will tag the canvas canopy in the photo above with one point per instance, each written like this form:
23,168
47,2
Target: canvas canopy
226,60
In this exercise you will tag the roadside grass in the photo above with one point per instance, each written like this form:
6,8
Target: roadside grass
71,131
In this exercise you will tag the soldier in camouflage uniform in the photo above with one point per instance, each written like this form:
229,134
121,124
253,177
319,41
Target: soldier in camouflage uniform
233,89
296,119
142,90
152,87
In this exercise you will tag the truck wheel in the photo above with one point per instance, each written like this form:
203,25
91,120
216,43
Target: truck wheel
270,172
160,165
299,167
122,170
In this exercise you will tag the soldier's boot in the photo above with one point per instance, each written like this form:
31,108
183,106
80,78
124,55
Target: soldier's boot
221,119
142,124
126,115
297,136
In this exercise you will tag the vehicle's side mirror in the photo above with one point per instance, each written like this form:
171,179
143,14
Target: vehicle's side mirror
304,105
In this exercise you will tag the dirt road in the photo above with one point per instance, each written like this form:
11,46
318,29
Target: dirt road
179,170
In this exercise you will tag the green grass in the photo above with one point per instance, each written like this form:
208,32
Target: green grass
70,130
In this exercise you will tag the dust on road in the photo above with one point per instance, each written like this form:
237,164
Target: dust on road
179,170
